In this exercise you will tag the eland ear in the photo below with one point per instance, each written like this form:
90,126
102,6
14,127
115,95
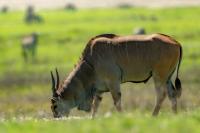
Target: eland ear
53,84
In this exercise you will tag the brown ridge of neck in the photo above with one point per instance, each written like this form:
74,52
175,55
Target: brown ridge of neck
79,79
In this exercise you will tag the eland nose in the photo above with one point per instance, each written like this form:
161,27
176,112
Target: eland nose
56,115
80,107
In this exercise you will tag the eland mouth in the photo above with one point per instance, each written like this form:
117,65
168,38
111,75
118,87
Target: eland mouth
88,109
61,115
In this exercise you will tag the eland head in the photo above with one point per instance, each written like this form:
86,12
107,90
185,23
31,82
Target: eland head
75,91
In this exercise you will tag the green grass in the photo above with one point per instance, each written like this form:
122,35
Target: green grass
117,123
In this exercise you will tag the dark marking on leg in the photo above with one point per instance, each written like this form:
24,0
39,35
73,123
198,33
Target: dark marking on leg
95,104
171,91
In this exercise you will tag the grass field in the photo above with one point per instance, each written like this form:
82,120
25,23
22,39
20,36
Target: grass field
25,87
130,122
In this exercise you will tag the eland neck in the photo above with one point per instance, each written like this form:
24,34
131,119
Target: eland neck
78,81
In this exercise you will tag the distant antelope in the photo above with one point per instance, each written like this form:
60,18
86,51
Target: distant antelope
139,31
29,45
31,16
4,9
109,60
70,6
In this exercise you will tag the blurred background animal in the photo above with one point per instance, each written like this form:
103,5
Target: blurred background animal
70,6
4,9
124,6
139,31
29,46
31,16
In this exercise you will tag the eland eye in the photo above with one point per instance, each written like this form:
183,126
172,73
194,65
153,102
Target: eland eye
55,106
53,101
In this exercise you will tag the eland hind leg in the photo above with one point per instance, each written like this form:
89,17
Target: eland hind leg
164,87
161,92
172,94
160,77
162,72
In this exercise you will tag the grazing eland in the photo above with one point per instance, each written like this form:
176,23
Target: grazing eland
109,60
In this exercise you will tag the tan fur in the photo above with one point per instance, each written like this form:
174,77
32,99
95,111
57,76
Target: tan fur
109,60
134,54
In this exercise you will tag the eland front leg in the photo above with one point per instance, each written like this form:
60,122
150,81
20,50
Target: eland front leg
116,95
95,104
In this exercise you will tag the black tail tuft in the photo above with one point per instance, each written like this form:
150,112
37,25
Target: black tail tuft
178,87
177,81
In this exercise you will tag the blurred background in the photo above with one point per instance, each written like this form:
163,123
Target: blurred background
38,36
